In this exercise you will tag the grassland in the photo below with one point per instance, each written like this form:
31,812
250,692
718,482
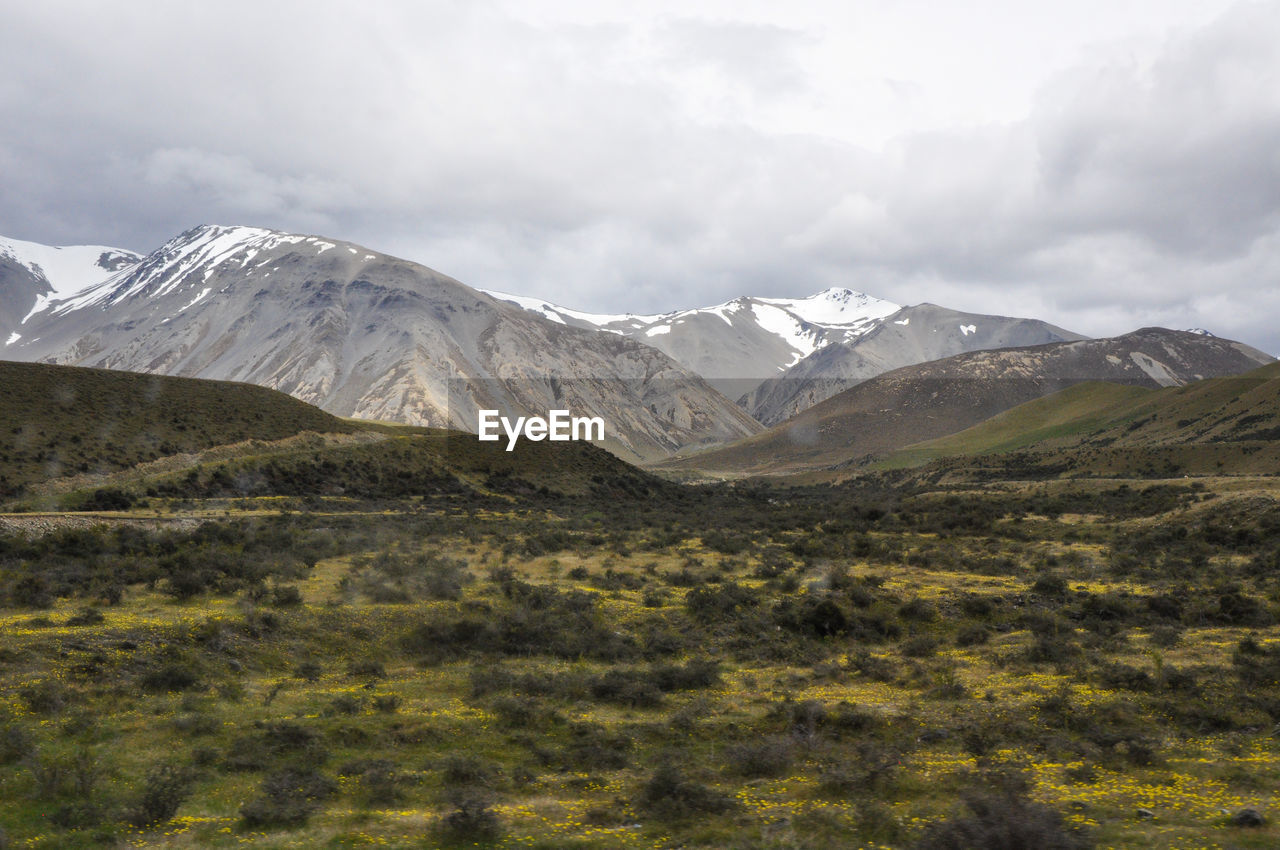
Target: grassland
483,657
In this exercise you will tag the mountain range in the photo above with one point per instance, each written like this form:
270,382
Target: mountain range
740,343
838,375
779,356
930,400
363,334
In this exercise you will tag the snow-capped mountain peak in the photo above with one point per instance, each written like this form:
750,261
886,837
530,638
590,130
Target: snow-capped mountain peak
740,342
187,261
835,307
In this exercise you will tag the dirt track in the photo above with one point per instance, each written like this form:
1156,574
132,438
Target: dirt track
44,523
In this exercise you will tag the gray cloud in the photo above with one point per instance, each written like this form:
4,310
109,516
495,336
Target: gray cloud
619,166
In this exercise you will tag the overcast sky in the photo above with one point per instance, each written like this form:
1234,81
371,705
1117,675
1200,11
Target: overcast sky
1101,164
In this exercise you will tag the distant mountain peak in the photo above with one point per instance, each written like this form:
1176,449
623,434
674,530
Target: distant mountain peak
738,343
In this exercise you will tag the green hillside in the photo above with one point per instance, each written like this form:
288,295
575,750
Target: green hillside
1216,425
68,432
410,463
64,420
1060,417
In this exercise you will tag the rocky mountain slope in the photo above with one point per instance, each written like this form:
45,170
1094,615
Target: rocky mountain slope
740,343
359,333
930,400
911,335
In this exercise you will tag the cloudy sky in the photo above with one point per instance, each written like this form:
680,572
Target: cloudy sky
1103,164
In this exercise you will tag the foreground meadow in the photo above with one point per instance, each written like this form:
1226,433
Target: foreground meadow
1073,664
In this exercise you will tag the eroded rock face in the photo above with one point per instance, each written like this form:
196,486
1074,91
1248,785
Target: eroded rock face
363,334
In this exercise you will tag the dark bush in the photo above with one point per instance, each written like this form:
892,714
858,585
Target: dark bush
15,744
47,696
286,596
472,821
287,798
626,688
273,742
467,770
972,634
163,791
1002,822
593,747
725,600
920,646
671,795
759,759
173,676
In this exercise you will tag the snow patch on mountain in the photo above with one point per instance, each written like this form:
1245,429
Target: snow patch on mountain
67,270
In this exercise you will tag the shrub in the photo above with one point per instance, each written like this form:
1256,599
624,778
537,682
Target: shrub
670,795
379,782
920,610
920,646
173,676
86,617
163,791
367,669
727,600
274,742
972,634
593,747
1050,586
15,744
343,704
1002,822
286,596
48,696
759,759
467,770
472,821
864,775
287,798
309,671
626,688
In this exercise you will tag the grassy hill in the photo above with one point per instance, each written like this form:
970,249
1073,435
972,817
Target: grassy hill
1061,417
408,463
64,420
932,400
1216,425
68,433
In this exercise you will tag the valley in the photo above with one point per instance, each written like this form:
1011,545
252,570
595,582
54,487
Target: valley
979,577
382,635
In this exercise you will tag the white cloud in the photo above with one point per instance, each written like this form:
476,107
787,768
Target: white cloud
1099,165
